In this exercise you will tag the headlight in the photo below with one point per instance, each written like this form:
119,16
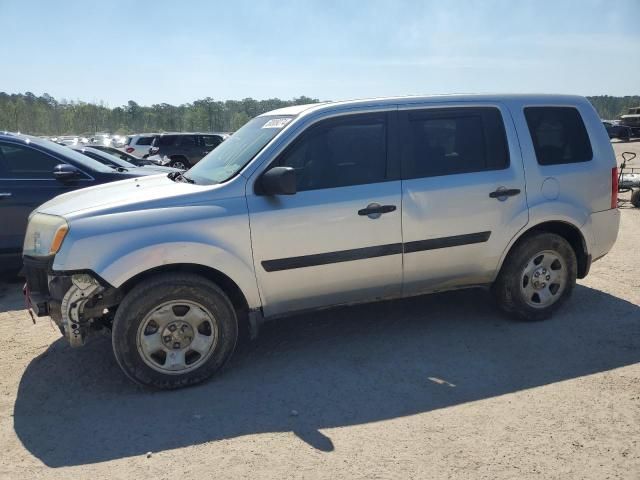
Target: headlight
165,160
45,235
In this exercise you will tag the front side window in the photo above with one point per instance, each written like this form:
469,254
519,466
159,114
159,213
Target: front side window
166,140
187,141
558,134
453,141
339,153
21,162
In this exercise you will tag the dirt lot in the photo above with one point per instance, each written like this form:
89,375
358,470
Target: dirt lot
434,387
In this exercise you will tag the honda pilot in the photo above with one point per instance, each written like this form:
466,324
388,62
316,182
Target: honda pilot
329,204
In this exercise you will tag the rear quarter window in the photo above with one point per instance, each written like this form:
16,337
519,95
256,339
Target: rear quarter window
558,134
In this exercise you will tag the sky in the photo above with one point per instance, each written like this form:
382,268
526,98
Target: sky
179,51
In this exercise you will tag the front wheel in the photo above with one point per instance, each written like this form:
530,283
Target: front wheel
538,275
173,331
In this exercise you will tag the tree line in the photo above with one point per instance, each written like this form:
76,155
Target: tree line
44,115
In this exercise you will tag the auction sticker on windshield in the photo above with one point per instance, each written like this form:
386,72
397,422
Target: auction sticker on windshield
277,122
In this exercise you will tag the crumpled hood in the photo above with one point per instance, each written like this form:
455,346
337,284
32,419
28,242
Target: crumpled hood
123,195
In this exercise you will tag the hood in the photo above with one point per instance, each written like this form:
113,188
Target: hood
156,191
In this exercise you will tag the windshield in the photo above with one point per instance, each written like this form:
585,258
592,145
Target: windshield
106,158
236,151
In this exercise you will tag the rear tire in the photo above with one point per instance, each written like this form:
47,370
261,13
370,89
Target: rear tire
179,162
173,331
537,277
635,199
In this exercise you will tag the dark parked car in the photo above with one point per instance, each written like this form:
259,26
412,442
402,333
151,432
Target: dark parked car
615,130
184,150
119,164
32,171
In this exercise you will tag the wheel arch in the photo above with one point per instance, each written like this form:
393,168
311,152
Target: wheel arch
226,284
567,230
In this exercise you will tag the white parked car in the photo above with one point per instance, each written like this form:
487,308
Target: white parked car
313,206
140,144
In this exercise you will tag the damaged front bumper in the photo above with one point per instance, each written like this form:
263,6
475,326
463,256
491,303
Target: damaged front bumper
78,302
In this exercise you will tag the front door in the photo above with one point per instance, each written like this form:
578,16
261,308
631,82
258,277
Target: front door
338,239
26,181
463,194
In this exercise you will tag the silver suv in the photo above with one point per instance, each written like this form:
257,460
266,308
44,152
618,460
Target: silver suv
329,204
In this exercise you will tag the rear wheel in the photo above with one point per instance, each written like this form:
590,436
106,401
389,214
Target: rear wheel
538,275
635,199
179,162
174,331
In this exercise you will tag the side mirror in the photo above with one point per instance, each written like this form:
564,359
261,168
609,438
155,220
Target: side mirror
278,181
65,172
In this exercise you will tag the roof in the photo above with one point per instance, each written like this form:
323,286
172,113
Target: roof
384,101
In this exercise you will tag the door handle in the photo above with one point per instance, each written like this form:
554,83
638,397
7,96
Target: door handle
375,210
502,193
5,195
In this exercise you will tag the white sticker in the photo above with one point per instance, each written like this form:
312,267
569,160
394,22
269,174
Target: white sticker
277,122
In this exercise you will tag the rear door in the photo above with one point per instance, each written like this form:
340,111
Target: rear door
463,194
332,242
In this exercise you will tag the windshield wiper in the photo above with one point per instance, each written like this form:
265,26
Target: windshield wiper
179,177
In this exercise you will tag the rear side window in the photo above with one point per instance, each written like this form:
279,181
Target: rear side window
21,162
144,141
452,141
340,153
559,135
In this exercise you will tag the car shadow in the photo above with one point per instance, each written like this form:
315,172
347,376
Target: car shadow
329,369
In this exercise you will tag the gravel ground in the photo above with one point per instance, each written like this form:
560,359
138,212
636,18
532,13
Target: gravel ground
441,386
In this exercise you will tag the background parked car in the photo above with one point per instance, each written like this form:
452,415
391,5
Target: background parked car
615,130
117,163
116,152
139,145
183,150
33,171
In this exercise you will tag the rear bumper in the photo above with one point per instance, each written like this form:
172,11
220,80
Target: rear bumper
604,228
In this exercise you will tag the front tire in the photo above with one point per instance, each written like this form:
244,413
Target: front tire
174,331
538,275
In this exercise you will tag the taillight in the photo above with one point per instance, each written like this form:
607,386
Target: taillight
129,150
614,187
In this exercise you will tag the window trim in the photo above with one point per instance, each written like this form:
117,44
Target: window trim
530,136
445,111
390,122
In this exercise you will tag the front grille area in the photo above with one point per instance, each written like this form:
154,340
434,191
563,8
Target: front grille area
35,271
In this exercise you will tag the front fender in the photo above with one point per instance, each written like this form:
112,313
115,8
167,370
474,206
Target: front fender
128,266
121,245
